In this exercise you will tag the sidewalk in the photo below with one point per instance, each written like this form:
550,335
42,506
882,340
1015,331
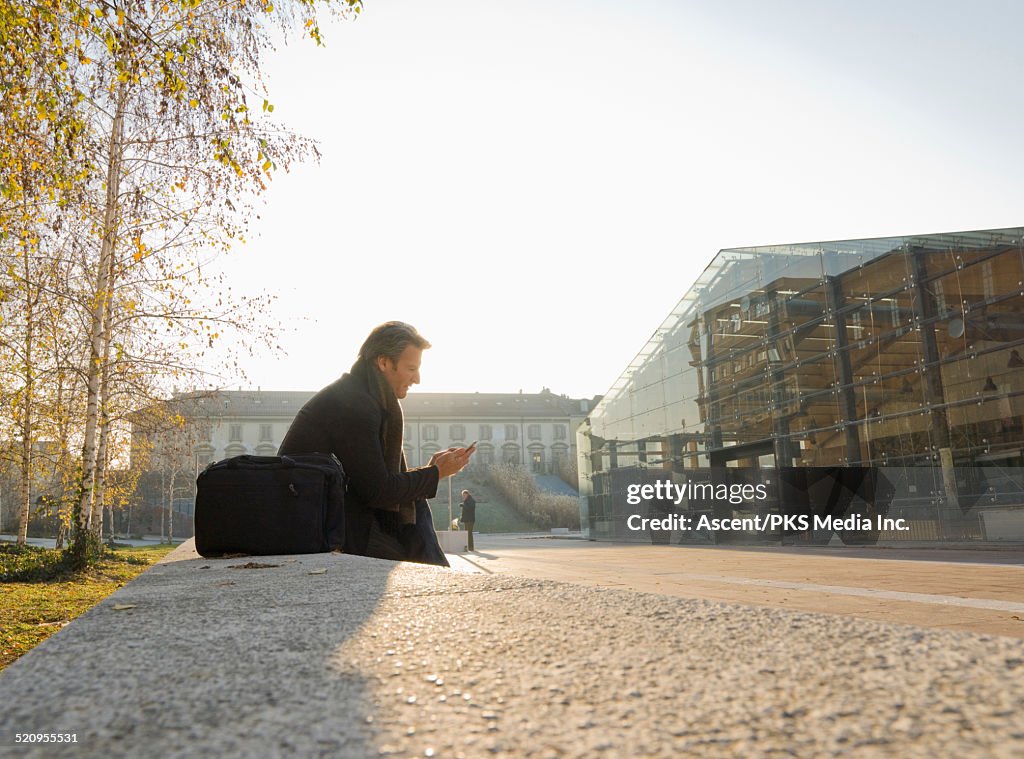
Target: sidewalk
979,591
332,655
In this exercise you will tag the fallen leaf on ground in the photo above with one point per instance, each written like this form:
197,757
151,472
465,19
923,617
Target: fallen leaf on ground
122,607
252,565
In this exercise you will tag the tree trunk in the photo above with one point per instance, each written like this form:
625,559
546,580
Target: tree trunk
25,495
62,469
98,329
170,510
25,501
96,518
163,506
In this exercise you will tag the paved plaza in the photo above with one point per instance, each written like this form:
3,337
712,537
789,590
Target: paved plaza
332,655
976,590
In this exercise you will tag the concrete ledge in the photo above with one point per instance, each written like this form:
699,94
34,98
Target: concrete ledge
333,655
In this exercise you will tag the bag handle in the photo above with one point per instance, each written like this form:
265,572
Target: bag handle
236,462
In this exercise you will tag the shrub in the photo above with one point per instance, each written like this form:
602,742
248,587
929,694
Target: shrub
31,563
569,472
546,510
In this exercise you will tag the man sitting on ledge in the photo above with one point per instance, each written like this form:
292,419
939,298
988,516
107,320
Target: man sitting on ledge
358,418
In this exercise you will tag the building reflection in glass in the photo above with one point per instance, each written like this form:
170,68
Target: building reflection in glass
901,356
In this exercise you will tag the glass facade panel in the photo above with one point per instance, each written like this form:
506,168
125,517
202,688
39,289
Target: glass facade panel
899,361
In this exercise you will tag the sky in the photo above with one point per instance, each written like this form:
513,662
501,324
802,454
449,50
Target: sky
534,185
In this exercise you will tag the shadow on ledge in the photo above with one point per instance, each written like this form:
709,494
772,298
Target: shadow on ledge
206,657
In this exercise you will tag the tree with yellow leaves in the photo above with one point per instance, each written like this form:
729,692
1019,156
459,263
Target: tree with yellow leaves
150,132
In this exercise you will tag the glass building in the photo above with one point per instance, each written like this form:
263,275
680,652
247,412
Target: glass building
892,369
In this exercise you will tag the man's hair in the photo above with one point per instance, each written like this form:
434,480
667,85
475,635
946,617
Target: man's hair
390,339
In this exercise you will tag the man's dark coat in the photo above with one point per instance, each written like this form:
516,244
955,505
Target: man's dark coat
346,420
469,509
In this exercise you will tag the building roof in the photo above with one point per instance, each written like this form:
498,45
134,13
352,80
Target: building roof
263,403
736,272
493,404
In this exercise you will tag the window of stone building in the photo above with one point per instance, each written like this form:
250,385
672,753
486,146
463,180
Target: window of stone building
511,432
457,432
204,456
560,432
235,433
430,432
485,432
266,433
484,456
533,431
426,452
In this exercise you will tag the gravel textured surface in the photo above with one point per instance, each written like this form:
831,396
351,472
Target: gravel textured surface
332,655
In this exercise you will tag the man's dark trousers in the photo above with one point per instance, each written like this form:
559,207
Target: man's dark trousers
469,535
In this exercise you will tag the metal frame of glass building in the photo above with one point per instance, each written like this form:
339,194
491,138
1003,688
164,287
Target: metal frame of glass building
901,354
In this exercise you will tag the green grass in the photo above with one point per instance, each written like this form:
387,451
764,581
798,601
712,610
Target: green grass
39,594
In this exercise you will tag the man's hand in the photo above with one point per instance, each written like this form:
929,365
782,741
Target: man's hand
450,461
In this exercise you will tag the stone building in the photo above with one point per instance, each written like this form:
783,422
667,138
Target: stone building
534,429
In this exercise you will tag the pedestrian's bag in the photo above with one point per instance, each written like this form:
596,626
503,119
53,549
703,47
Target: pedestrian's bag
269,505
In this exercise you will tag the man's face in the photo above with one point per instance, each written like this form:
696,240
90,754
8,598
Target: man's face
405,372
